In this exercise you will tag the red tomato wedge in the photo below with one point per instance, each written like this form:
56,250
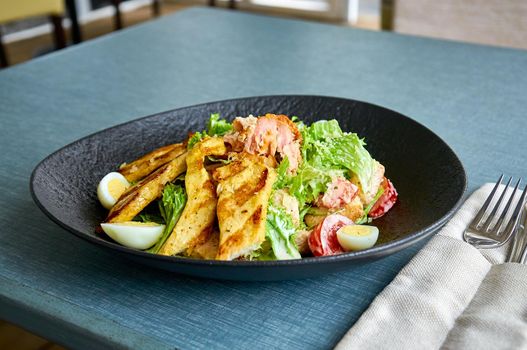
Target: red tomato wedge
323,240
386,201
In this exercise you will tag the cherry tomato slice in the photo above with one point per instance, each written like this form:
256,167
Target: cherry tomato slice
323,240
386,201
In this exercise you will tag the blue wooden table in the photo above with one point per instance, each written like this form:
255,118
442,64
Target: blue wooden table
475,97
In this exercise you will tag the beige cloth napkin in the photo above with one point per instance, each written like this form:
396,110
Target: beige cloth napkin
449,296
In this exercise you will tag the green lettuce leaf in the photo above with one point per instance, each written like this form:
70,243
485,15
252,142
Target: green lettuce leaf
364,218
322,130
215,127
213,159
310,182
327,151
197,137
147,217
347,152
282,179
280,233
265,252
171,206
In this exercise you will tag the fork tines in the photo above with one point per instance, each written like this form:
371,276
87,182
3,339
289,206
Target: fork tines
487,231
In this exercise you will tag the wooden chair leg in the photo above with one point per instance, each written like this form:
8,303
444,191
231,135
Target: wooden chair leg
232,3
76,36
118,21
387,14
58,32
156,7
3,58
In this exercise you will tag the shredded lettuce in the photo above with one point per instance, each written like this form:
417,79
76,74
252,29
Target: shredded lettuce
282,179
265,252
326,146
347,152
171,206
280,232
215,127
328,152
218,160
196,137
279,241
322,130
311,181
364,218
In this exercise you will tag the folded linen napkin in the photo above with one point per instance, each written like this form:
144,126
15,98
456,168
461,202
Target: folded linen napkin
449,296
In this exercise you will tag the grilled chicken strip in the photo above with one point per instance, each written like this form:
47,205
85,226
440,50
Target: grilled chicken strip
196,222
243,196
135,199
144,166
207,250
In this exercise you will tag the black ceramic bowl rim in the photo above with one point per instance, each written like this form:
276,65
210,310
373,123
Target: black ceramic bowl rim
371,253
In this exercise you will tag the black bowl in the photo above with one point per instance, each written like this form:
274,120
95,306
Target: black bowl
428,175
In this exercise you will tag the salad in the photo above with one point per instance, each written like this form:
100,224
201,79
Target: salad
256,188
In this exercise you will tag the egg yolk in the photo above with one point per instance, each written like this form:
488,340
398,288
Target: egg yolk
116,188
356,230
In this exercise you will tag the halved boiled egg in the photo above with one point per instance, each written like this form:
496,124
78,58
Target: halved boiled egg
357,237
134,234
111,187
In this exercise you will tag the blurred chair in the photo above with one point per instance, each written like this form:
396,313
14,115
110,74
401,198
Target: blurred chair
13,10
493,22
156,10
118,19
232,3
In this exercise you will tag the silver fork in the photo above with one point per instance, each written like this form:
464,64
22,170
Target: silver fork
482,232
517,253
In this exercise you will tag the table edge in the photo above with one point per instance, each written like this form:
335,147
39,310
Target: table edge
65,323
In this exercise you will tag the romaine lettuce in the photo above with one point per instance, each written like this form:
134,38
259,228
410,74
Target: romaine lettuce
282,179
171,206
215,127
327,152
280,232
364,218
196,137
148,217
311,181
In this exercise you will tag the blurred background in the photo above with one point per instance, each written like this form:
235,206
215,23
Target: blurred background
33,28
